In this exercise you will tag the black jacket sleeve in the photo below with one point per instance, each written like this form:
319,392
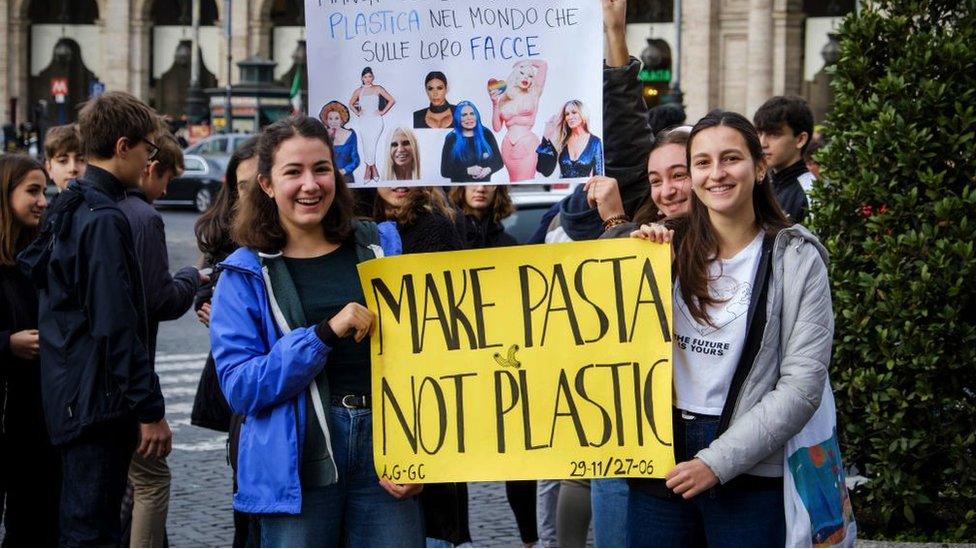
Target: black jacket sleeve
495,162
627,139
111,293
548,157
450,169
167,297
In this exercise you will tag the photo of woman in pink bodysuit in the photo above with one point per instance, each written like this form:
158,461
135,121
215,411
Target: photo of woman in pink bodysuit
514,105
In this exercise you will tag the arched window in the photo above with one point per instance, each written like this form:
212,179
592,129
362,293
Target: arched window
650,11
288,13
179,12
63,12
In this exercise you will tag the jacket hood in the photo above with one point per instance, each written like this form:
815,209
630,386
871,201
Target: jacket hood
796,236
577,218
244,260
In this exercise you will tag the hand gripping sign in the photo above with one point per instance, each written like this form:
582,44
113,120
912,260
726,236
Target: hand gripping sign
550,361
439,92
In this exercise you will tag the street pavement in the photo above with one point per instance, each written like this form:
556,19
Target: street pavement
200,502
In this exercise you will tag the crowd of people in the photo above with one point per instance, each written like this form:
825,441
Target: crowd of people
85,281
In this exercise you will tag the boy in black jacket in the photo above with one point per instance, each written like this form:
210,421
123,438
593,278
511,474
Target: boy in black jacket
785,127
101,397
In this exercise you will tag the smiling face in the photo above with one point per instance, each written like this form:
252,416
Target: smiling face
572,116
395,197
368,79
437,92
667,173
723,173
468,118
27,200
401,151
333,121
302,184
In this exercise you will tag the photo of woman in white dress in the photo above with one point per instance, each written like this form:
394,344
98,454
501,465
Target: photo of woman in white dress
365,103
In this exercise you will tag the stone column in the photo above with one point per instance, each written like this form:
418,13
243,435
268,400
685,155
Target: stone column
759,62
19,64
5,72
141,55
115,22
260,35
240,39
788,21
699,56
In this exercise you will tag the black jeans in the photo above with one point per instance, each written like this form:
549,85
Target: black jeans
95,467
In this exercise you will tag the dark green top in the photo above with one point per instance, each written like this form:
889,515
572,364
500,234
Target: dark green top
325,285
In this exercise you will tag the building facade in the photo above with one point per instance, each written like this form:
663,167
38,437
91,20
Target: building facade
734,53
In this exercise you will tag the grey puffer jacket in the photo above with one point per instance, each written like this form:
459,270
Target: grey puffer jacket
783,387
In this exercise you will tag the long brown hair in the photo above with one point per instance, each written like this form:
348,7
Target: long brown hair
697,241
213,228
500,207
257,223
420,201
677,135
13,235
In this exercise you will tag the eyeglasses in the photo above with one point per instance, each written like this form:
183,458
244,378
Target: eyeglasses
153,149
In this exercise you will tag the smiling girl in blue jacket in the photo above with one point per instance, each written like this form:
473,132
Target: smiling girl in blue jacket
289,333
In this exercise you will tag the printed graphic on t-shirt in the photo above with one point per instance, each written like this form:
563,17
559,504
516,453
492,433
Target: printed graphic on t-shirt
733,299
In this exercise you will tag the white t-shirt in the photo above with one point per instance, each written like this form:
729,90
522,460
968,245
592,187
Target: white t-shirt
705,356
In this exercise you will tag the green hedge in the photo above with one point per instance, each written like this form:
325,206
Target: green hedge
897,211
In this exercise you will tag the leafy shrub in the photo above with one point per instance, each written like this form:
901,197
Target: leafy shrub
897,210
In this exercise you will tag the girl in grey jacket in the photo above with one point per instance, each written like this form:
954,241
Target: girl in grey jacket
753,327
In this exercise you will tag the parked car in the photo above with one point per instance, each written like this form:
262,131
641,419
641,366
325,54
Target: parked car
218,147
530,206
198,185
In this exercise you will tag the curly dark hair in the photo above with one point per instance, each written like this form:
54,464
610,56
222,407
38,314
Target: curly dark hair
257,224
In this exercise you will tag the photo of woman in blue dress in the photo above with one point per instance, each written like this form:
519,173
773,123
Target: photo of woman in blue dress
335,116
470,151
568,142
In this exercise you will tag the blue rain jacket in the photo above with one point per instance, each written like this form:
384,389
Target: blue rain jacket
265,372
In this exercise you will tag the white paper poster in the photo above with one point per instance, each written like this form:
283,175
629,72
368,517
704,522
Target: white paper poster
439,92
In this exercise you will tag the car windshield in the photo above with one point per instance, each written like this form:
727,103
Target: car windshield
523,223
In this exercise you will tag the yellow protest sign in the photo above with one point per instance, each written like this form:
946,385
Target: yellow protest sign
529,362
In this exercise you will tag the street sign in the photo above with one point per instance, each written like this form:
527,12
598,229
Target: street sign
59,89
96,89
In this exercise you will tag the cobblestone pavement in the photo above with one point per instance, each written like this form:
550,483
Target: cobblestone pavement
200,510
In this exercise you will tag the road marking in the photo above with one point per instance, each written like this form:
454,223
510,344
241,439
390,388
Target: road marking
163,358
209,445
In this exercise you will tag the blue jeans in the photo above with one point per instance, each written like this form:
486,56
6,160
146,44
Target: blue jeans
724,516
608,499
354,512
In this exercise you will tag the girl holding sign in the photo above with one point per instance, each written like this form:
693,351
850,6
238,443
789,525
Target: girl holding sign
289,334
514,105
753,327
365,103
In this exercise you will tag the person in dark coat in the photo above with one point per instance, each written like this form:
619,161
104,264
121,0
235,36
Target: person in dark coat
424,220
167,298
31,464
101,396
470,153
213,232
479,215
425,223
785,127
